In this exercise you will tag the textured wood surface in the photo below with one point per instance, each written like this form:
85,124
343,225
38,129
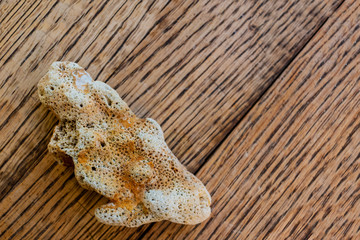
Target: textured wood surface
290,170
275,152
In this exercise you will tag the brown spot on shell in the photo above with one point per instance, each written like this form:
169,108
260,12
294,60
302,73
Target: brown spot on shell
81,80
82,158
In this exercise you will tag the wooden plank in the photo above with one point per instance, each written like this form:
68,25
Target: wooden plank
180,62
290,170
43,213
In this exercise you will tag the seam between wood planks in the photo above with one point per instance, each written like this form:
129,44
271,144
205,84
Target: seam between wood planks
271,80
276,77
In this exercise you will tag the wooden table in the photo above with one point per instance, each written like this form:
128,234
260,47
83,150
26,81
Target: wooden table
259,99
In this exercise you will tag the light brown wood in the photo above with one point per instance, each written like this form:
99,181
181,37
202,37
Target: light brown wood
290,170
196,67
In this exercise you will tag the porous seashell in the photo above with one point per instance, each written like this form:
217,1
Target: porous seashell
118,155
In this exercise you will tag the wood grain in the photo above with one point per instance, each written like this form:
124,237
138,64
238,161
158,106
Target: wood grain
290,170
195,66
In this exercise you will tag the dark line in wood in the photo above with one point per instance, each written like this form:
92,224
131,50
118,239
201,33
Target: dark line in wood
102,30
72,203
84,30
54,206
28,189
7,79
11,11
25,210
22,103
125,40
29,54
13,14
17,130
62,37
129,61
24,171
13,43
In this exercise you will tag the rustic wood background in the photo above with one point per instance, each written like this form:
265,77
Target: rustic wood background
259,99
